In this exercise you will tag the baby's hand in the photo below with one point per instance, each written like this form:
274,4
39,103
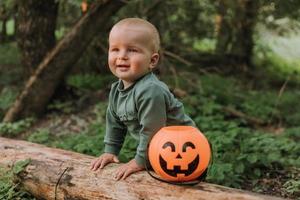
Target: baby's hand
127,169
103,160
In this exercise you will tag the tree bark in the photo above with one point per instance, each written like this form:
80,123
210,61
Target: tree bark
238,19
245,20
36,31
3,34
3,18
59,174
224,33
51,71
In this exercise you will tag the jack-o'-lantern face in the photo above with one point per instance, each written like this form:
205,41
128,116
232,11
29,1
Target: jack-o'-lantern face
179,160
179,153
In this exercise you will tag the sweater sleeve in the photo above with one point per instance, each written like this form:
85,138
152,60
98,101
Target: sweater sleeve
115,131
152,115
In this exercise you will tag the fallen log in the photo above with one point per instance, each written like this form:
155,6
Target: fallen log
60,174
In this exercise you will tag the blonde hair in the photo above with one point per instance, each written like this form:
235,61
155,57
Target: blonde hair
138,22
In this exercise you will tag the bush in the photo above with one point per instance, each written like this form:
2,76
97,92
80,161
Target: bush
9,187
15,128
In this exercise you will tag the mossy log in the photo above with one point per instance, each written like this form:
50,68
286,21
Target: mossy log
60,174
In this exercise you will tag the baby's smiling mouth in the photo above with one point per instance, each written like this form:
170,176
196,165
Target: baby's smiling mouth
123,67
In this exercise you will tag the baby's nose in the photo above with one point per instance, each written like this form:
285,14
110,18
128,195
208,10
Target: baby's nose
122,55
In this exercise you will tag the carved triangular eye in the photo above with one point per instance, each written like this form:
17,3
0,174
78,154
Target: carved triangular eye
169,144
187,144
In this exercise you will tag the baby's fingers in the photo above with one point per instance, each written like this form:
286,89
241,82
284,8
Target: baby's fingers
123,173
126,174
93,164
119,175
104,162
97,164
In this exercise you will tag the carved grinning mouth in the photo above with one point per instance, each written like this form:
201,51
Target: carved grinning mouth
177,169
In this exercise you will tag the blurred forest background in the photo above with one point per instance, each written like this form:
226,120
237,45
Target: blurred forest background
234,63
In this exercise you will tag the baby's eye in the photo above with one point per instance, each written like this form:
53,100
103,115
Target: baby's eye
132,50
114,49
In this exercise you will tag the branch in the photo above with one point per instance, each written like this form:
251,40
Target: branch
249,119
177,57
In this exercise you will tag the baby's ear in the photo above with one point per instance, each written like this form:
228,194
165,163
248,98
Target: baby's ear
154,60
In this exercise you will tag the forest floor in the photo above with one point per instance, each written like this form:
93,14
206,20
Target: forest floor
64,122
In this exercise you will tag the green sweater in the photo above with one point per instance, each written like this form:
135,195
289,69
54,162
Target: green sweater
141,109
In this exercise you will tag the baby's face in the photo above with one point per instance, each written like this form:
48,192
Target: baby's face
130,53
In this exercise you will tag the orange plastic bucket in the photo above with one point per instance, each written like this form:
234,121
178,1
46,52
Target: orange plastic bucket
179,153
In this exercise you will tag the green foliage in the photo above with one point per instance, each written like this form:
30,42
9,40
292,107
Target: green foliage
176,15
8,4
260,106
7,97
277,56
293,133
89,81
265,104
59,33
279,68
224,90
9,185
128,150
205,45
89,141
281,8
292,187
41,136
288,108
64,107
15,128
20,165
10,27
9,54
243,155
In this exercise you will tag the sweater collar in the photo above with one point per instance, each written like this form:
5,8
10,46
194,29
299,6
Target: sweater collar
121,85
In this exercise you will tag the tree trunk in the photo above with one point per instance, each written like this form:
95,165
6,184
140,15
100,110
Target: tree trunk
238,19
245,20
3,18
51,71
59,174
36,31
224,33
3,34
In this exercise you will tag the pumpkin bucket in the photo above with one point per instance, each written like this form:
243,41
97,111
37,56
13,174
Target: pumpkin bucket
179,153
